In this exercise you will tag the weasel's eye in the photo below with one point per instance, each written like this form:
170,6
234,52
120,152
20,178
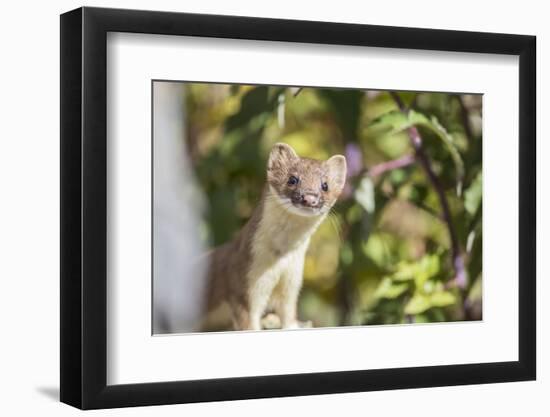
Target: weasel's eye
293,180
324,186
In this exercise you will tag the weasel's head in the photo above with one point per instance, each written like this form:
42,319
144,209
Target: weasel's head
304,186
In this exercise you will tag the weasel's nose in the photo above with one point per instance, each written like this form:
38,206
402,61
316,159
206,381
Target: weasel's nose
309,200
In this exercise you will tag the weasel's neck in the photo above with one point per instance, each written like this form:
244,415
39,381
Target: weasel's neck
281,231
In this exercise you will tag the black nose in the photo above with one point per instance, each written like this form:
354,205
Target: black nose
309,200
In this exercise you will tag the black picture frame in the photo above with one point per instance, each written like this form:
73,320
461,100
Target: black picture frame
84,207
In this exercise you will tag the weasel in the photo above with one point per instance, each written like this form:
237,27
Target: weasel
262,267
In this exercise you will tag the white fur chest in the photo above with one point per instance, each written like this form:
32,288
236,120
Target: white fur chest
282,231
281,239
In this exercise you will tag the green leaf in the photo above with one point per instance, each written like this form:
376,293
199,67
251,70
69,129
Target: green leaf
417,304
257,105
447,138
396,121
422,318
406,271
473,195
428,266
442,299
388,289
374,248
422,270
397,176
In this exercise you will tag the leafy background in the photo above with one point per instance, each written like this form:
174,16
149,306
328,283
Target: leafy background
404,242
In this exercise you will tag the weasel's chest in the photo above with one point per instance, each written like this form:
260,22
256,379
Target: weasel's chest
278,235
281,238
274,255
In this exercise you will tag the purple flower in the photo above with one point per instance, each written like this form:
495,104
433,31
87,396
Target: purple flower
460,278
354,159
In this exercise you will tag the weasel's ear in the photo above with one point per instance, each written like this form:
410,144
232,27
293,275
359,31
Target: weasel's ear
280,157
337,167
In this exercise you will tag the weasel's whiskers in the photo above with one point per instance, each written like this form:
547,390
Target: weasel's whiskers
335,223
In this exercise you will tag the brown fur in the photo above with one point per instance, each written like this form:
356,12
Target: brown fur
263,264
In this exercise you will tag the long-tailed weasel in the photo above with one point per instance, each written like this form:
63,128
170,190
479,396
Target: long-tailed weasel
262,267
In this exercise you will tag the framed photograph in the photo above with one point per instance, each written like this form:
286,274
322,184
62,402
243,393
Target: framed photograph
258,208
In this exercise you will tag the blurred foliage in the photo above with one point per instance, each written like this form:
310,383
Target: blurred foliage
385,255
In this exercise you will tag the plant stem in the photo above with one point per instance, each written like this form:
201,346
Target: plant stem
422,157
383,167
465,115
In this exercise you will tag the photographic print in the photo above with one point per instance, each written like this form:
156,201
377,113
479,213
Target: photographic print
278,207
292,210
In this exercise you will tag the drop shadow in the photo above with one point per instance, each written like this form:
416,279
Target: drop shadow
50,392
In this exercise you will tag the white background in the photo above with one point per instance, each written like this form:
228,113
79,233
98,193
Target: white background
134,356
29,210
